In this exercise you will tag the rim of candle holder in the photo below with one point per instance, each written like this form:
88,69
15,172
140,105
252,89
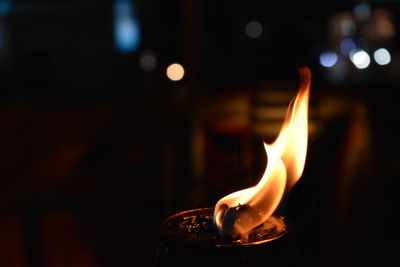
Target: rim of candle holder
172,229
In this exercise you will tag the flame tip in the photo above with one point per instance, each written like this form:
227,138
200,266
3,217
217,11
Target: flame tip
305,78
304,69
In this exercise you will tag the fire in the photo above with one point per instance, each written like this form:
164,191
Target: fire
237,214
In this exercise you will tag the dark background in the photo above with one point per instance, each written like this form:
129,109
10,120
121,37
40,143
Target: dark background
96,150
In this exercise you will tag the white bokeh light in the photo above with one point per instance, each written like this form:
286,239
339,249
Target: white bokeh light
382,56
148,61
254,29
348,27
360,58
328,59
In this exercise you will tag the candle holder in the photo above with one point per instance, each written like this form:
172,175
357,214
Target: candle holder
195,227
190,239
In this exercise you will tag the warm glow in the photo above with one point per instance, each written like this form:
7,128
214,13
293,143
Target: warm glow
286,159
175,72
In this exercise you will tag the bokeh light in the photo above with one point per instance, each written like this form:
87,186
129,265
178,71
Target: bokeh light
175,72
360,58
328,59
148,61
348,27
5,7
382,56
346,45
127,37
254,29
362,11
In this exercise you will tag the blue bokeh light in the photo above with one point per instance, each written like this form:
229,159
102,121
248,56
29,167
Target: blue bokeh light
328,59
5,7
127,36
346,45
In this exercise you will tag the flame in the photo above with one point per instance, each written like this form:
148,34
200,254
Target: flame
237,214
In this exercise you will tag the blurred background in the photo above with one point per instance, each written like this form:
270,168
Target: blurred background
117,113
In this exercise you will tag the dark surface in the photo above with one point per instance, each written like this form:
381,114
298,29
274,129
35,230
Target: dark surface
280,251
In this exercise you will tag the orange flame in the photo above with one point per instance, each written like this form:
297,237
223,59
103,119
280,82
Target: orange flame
240,212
